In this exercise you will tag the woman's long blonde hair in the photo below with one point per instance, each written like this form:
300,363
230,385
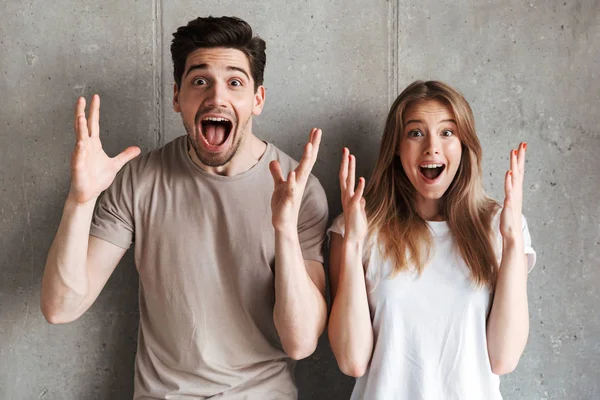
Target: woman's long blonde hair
402,234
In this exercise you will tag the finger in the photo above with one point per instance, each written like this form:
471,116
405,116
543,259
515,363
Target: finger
521,157
305,165
94,117
78,158
125,156
310,135
79,110
276,172
514,164
81,130
351,176
316,135
310,157
360,188
508,186
344,170
291,181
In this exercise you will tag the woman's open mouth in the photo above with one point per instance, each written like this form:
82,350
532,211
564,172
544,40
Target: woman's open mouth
431,171
215,131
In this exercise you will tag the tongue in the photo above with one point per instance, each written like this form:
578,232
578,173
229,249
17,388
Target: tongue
214,134
431,173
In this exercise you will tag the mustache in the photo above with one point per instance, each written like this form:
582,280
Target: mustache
209,110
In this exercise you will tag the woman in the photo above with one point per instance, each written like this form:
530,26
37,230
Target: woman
428,274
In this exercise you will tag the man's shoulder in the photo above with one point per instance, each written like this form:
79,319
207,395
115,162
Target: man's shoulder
288,164
286,161
160,158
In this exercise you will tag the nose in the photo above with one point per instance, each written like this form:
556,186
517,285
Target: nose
432,145
216,95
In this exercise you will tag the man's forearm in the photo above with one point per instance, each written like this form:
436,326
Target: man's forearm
65,281
300,310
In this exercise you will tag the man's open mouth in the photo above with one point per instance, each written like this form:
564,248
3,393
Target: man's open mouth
431,171
215,130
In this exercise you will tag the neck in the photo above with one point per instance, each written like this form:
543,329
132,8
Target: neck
248,155
429,209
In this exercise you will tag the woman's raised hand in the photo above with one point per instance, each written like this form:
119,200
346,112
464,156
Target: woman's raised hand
353,202
511,218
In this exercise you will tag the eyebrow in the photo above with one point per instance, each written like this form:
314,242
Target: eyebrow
418,121
205,67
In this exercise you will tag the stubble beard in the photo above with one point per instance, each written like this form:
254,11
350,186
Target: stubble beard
215,160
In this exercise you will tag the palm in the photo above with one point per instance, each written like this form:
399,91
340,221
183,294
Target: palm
283,204
510,218
287,194
92,171
353,203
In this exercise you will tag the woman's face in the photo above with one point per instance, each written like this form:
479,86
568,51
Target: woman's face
430,150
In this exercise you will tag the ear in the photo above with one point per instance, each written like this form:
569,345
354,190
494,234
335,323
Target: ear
259,100
176,106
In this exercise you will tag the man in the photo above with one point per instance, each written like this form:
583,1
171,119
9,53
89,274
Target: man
229,255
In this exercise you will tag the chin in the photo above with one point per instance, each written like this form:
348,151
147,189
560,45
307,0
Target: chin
212,158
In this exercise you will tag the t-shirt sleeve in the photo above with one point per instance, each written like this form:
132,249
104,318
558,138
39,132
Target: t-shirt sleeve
531,255
312,221
528,249
337,226
113,218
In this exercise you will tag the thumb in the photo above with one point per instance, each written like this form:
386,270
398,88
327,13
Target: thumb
276,172
126,155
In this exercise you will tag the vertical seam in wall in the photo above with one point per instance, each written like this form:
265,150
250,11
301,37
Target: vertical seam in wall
393,34
157,61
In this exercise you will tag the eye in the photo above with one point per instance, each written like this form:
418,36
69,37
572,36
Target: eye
414,133
235,82
199,81
447,133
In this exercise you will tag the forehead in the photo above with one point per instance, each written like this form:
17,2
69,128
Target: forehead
431,110
218,58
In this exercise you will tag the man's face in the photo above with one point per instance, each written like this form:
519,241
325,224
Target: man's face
217,101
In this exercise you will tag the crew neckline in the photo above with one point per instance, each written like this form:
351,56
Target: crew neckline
439,228
263,160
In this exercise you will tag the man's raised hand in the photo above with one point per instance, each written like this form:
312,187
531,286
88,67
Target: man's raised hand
92,171
287,194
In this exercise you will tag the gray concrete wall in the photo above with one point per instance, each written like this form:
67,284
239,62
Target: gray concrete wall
530,70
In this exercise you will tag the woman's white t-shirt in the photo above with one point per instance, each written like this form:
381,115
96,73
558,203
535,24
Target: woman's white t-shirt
429,331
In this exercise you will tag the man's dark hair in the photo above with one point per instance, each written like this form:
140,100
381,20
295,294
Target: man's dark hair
229,32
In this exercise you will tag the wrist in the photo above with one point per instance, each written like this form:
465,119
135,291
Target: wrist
287,232
513,242
353,244
73,203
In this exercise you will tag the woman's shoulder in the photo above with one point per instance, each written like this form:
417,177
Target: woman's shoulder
337,226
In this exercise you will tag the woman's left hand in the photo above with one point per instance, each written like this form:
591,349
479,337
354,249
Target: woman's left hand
511,218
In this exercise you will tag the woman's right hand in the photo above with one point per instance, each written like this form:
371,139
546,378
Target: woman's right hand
353,202
92,171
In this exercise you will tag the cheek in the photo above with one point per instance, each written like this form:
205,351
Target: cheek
455,157
408,152
408,164
454,151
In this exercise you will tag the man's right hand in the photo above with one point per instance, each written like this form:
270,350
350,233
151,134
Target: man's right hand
92,171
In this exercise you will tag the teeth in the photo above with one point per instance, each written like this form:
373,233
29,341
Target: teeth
215,119
432,165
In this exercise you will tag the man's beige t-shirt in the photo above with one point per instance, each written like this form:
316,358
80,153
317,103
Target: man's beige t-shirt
205,253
